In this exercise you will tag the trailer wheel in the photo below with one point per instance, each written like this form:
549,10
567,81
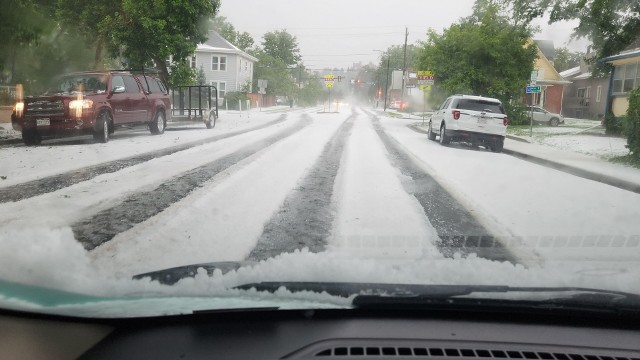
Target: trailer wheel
211,123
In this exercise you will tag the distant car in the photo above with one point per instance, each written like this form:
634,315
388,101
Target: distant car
398,105
93,103
475,119
542,116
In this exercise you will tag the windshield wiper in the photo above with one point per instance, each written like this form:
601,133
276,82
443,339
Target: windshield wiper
173,275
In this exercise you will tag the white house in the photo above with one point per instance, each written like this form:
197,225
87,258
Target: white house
225,66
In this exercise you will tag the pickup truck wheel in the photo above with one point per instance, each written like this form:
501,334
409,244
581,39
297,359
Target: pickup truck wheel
31,137
444,139
101,133
431,135
554,122
212,121
497,145
157,125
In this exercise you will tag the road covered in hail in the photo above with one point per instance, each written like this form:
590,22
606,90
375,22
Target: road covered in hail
300,195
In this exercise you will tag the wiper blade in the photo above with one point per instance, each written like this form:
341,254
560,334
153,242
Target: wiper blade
173,275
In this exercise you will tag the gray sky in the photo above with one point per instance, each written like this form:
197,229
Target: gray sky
338,33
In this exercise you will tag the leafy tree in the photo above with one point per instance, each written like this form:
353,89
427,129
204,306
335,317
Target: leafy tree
22,24
244,41
612,25
281,45
397,60
482,55
201,78
277,74
86,17
565,59
149,31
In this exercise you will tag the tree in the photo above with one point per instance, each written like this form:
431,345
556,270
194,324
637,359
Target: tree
566,59
201,78
397,60
149,31
86,18
632,124
244,41
281,45
277,74
482,55
612,25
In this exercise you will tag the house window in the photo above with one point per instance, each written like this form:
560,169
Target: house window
219,63
583,96
630,72
598,93
193,61
221,86
618,77
246,66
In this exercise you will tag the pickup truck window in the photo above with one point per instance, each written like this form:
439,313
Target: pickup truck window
131,85
116,82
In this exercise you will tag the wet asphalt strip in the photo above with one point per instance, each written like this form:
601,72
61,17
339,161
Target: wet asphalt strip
103,226
459,231
305,218
56,182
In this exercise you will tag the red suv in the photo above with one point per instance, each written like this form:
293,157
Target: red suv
93,103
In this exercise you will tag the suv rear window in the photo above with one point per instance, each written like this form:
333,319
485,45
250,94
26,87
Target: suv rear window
479,105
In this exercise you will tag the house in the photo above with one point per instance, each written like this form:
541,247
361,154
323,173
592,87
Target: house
551,83
624,78
585,97
224,65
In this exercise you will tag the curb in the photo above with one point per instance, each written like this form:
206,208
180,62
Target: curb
586,174
10,141
417,128
517,138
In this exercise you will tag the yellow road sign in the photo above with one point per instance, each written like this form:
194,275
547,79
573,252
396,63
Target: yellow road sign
329,84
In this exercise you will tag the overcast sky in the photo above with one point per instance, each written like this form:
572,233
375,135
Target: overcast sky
338,33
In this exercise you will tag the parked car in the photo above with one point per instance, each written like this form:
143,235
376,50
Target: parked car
93,103
398,105
475,119
542,116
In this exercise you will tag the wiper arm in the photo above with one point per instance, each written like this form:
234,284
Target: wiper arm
173,275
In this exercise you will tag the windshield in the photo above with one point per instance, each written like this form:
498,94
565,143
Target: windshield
300,154
80,83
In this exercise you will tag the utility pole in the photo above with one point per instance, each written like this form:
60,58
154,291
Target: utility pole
404,67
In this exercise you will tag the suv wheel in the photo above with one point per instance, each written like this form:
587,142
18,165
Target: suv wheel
554,122
444,139
211,123
431,134
157,126
101,133
31,137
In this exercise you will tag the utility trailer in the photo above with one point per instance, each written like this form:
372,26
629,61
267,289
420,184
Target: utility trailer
194,104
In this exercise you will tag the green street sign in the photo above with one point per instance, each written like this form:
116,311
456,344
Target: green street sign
533,89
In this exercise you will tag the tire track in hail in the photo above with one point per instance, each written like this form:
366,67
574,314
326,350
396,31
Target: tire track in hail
305,217
459,231
105,225
56,182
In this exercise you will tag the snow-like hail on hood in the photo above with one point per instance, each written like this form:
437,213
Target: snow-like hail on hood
52,258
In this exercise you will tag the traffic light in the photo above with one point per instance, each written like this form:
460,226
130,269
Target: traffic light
379,92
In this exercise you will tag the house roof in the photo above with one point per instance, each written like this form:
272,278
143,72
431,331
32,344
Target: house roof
550,75
623,55
216,43
570,72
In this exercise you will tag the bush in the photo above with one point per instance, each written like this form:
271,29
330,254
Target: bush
517,113
631,123
613,125
233,97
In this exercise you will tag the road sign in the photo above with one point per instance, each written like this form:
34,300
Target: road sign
329,84
329,78
426,75
533,89
534,76
262,83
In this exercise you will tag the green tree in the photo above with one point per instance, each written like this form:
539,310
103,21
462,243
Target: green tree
612,25
632,124
566,59
281,45
482,55
244,41
397,60
86,17
149,31
277,74
22,24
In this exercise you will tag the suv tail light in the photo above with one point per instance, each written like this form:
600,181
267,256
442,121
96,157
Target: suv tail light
456,114
505,121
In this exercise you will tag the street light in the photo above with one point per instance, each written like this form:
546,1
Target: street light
386,83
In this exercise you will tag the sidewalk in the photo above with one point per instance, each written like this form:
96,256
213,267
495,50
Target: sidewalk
588,167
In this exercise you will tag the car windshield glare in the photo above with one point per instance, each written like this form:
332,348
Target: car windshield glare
80,83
